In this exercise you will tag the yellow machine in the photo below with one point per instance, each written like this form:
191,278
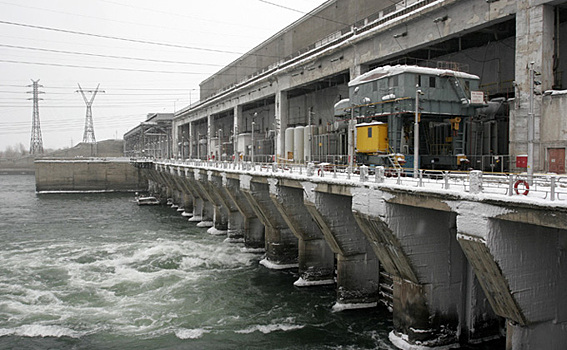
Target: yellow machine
372,138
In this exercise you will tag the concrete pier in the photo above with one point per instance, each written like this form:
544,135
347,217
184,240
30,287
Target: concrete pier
281,244
467,264
235,226
357,265
254,235
316,259
518,255
436,299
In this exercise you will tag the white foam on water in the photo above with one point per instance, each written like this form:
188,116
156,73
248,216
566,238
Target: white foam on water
269,328
275,266
338,307
190,333
401,342
34,331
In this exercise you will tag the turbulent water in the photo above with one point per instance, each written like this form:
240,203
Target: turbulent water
96,271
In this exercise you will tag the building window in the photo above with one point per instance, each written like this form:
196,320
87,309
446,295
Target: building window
393,81
369,132
432,82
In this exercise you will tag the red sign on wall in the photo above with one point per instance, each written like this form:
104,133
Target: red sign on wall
522,161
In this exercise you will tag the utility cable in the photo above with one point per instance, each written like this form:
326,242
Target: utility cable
104,68
109,56
147,42
117,38
310,14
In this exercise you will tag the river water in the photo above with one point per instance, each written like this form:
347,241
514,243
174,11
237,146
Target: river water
95,271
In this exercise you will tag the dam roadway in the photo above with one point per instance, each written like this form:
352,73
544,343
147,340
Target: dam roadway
470,257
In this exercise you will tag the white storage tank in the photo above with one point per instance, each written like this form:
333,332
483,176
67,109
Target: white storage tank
215,145
289,134
298,144
243,141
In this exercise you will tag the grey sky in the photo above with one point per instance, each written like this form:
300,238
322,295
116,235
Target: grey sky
158,54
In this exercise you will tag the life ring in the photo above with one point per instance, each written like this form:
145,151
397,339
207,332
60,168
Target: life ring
526,187
320,172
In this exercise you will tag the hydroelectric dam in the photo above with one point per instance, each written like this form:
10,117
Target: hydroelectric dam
466,257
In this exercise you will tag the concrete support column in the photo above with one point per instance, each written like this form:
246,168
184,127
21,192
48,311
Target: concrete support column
236,130
357,265
191,139
187,205
281,119
356,69
209,206
254,236
281,244
534,43
436,301
316,259
203,210
210,134
519,258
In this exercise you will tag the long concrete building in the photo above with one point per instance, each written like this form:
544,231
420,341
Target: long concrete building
294,79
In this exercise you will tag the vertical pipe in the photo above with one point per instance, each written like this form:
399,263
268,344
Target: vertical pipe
531,127
416,134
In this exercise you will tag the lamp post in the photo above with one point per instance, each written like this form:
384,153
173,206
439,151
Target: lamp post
531,127
351,140
416,133
253,124
219,139
310,136
252,151
235,143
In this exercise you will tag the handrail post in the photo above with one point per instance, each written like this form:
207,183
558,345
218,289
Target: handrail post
510,185
363,173
552,190
379,175
475,181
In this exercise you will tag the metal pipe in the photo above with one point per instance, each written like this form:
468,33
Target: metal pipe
531,128
416,133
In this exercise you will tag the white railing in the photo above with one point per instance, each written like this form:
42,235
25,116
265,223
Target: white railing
544,187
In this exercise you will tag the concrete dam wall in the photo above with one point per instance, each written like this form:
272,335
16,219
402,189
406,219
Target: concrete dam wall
88,175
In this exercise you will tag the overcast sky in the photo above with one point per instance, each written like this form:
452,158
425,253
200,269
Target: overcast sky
136,73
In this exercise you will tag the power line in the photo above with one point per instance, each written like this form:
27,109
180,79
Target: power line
145,24
115,88
110,56
124,39
310,14
103,68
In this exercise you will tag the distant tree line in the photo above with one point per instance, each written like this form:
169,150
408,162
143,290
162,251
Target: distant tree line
16,151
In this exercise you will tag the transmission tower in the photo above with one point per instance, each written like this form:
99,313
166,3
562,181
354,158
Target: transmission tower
36,143
88,135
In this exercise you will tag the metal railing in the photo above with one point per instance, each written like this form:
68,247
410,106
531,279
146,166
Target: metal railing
541,187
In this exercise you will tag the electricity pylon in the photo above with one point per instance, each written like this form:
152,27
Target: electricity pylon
88,135
36,143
